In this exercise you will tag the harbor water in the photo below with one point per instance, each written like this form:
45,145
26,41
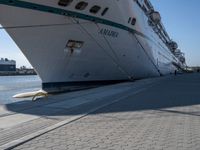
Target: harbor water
12,85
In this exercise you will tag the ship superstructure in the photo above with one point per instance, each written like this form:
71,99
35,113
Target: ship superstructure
73,43
7,65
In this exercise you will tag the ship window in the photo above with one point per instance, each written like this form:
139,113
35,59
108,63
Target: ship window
129,19
104,11
95,9
11,1
81,5
64,2
133,22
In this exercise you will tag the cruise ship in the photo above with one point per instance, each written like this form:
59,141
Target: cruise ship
7,65
76,43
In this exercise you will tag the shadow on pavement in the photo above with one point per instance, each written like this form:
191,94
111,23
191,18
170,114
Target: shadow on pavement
179,91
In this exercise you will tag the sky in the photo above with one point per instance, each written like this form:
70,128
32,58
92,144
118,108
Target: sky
182,22
180,17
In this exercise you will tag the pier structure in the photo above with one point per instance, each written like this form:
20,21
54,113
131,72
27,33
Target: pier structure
157,113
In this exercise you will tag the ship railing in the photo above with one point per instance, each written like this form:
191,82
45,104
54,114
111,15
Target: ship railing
158,28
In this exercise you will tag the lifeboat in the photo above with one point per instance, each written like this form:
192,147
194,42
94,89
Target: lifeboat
173,45
155,17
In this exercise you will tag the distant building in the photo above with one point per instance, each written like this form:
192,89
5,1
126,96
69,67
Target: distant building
195,69
7,65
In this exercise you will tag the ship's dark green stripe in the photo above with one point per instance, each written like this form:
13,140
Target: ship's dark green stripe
43,8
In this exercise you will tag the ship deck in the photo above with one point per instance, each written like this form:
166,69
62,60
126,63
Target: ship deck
157,113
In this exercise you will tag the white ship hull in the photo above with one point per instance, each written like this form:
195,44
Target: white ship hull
110,51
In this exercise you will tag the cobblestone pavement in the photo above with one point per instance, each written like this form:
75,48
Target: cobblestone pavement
166,116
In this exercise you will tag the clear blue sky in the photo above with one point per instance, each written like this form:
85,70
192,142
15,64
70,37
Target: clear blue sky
180,17
182,21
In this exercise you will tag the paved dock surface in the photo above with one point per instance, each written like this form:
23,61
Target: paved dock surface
151,114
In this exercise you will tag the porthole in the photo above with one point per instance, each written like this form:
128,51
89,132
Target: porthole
81,5
133,22
95,9
104,11
64,2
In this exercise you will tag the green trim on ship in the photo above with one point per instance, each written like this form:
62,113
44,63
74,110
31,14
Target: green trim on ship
58,11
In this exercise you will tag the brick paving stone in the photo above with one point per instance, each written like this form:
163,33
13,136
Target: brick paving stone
168,120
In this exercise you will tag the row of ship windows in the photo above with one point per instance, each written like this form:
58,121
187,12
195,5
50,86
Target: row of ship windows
95,9
82,6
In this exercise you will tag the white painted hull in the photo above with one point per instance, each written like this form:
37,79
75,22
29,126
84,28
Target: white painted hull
102,58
